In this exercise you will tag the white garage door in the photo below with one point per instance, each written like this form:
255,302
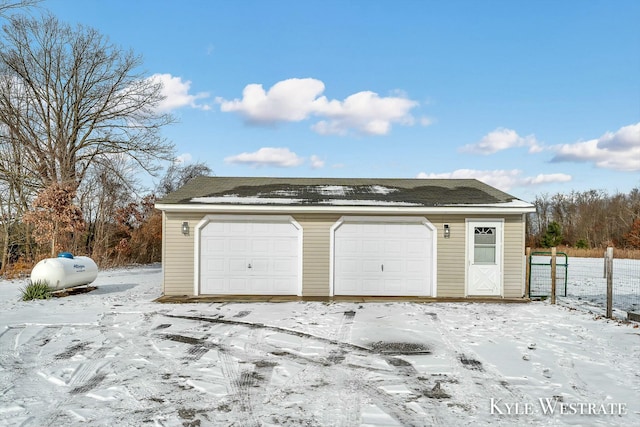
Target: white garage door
256,257
386,259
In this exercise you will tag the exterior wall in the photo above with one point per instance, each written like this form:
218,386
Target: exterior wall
451,255
178,253
514,273
316,252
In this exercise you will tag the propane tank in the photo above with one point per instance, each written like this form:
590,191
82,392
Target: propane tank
65,271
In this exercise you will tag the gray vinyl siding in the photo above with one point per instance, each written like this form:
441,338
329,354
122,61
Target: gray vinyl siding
513,256
178,253
451,256
177,259
316,253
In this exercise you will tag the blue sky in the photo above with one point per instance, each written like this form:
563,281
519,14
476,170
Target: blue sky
529,96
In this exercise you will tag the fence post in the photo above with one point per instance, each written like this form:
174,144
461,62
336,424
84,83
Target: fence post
527,269
553,275
609,271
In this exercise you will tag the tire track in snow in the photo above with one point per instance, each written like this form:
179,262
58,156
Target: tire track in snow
240,383
337,355
341,408
344,331
393,404
252,325
472,381
144,394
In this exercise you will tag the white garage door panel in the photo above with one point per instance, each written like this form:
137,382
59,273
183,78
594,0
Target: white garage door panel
387,259
238,285
214,245
259,245
376,286
249,257
215,284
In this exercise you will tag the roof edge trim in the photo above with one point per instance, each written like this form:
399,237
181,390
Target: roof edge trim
518,208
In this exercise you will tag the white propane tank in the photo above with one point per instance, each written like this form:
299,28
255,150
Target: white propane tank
66,271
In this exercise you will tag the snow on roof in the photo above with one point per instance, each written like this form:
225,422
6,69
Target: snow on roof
333,190
333,195
380,189
345,202
240,200
321,192
515,203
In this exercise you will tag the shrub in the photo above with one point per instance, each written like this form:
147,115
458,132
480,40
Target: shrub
18,270
36,290
553,236
582,244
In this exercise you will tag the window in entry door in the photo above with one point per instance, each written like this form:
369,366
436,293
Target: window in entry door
484,245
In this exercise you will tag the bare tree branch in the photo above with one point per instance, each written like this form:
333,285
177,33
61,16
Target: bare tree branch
71,98
7,5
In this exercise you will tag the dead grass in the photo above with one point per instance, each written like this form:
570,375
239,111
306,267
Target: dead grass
593,253
18,270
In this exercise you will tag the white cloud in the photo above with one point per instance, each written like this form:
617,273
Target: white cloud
502,139
426,121
183,158
618,150
547,179
316,162
176,93
267,156
499,178
290,100
295,100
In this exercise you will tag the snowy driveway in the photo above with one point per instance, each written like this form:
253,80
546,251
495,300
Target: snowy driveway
113,357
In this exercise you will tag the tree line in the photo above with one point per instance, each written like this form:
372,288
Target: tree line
79,123
584,220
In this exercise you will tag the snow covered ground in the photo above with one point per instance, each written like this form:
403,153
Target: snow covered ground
114,357
587,284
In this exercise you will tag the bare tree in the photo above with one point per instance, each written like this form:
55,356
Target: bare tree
16,188
106,189
10,189
7,5
590,218
178,174
73,100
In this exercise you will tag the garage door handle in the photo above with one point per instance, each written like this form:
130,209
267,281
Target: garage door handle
382,267
249,266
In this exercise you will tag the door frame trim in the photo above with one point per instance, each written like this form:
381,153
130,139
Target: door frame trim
471,222
242,218
385,219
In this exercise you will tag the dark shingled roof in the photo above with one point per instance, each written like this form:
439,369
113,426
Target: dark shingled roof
336,191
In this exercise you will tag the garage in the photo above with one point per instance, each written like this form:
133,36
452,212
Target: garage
249,256
324,238
384,257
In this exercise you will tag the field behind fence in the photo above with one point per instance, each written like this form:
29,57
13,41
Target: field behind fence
586,281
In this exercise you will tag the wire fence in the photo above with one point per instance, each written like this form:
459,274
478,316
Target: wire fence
585,280
626,285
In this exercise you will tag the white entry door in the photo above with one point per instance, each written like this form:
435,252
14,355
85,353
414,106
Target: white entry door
252,257
484,258
383,259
